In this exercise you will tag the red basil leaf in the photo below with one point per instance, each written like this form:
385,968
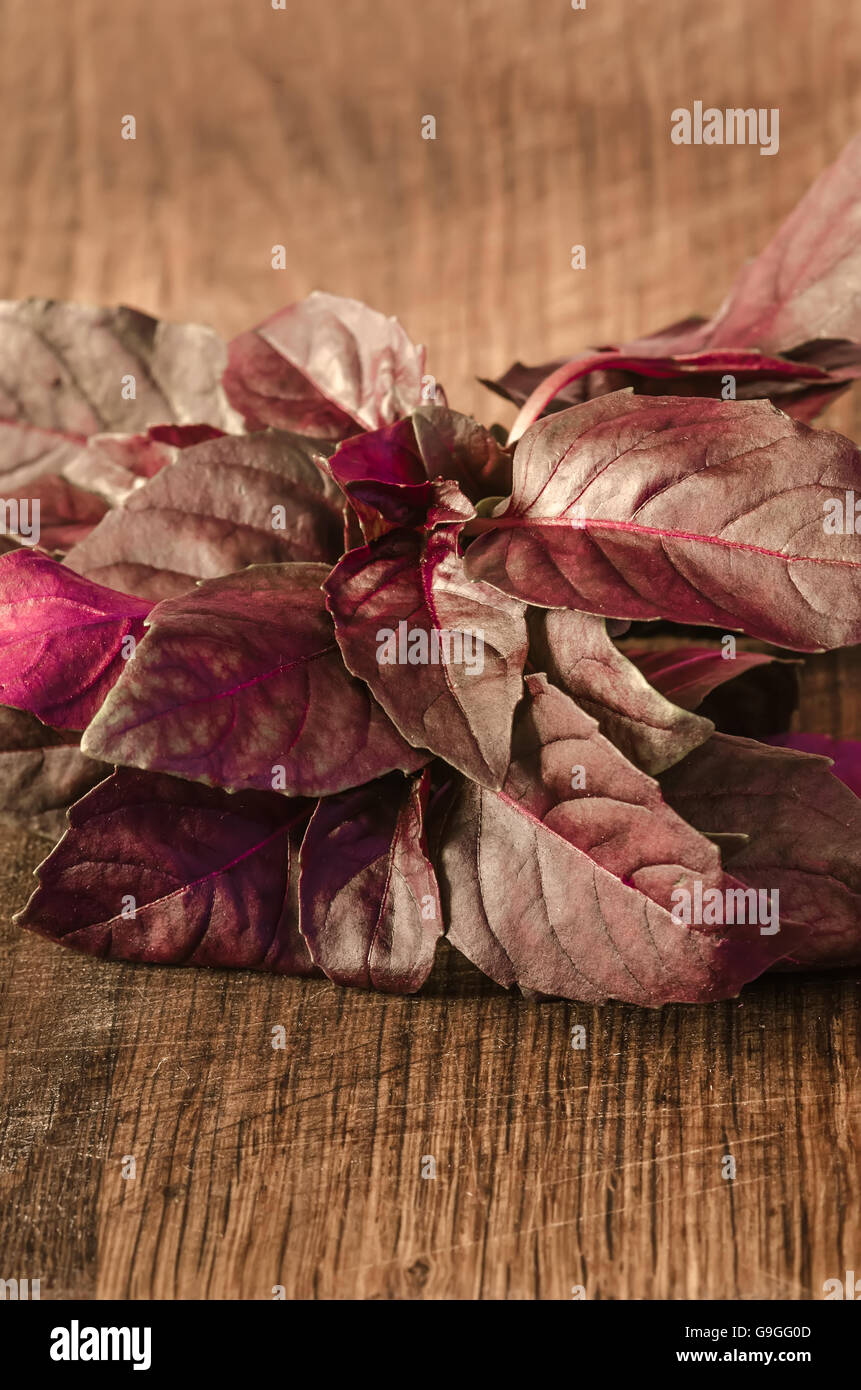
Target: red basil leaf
66,513
370,909
67,371
804,833
113,465
576,652
442,655
240,684
845,754
568,892
63,639
167,872
688,674
326,366
796,304
806,284
424,471
41,770
693,510
696,373
224,504
456,447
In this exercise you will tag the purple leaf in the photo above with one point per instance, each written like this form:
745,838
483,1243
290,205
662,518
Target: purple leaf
41,770
455,446
788,329
845,754
804,829
63,639
693,510
166,872
806,284
699,373
576,652
423,471
370,909
241,684
68,370
442,655
688,674
326,366
570,892
224,504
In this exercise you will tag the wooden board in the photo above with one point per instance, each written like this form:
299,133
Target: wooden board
303,1167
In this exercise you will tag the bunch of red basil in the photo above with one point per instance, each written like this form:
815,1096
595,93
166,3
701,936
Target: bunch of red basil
330,671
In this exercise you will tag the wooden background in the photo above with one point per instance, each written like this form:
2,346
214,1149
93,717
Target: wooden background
302,1167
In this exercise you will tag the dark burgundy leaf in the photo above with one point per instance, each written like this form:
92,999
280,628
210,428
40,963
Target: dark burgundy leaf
224,504
845,754
804,835
326,366
167,872
370,909
576,652
240,684
442,655
456,447
392,476
41,770
702,372
66,370
747,693
383,474
63,639
688,674
693,510
569,892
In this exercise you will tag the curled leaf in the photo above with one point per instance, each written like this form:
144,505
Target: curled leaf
370,909
442,655
578,655
327,366
422,471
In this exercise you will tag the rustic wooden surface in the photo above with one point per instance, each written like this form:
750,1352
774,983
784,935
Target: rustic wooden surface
302,1167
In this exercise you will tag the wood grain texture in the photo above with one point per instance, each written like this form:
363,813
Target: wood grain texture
302,1167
